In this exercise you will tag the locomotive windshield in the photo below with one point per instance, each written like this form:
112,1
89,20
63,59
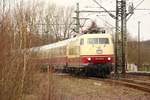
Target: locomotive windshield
98,41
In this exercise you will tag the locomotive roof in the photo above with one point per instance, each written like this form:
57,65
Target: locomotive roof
101,35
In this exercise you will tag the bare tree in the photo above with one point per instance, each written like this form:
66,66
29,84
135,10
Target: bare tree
14,37
20,30
59,21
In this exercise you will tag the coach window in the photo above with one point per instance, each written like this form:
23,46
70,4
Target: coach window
81,41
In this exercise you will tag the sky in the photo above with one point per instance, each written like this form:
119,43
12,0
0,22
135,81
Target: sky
132,25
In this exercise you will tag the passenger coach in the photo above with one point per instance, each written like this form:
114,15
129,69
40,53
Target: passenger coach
88,53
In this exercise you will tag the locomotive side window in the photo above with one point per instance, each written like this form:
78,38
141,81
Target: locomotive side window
98,41
81,41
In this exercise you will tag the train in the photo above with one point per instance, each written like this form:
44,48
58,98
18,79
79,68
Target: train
84,54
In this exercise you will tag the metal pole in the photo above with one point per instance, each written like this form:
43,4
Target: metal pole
116,39
77,19
123,31
139,57
120,42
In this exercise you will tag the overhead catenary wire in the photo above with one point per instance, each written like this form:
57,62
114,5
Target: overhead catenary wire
113,16
134,9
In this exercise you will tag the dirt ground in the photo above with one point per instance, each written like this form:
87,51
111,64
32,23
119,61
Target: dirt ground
62,87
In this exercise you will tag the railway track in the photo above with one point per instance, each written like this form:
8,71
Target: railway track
132,83
139,73
136,84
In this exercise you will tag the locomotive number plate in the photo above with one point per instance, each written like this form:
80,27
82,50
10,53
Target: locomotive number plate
99,58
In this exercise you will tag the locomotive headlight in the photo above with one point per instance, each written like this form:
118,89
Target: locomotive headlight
109,58
89,59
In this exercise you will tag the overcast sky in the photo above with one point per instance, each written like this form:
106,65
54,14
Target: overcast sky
132,24
143,16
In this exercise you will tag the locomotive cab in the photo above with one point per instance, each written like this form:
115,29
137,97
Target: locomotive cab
96,51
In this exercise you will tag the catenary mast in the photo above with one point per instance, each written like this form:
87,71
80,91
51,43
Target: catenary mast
120,37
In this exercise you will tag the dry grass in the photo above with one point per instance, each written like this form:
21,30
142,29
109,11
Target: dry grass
20,29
